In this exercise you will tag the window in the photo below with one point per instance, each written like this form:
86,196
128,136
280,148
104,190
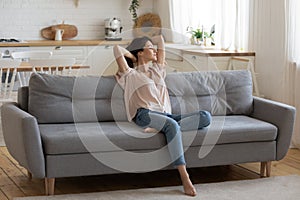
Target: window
230,17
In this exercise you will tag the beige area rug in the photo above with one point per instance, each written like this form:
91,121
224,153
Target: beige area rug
273,188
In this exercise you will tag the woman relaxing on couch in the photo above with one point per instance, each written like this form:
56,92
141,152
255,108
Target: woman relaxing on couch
141,74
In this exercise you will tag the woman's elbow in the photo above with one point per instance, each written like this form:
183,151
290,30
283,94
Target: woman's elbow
116,50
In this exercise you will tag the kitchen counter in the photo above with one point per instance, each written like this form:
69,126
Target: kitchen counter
32,43
180,49
218,52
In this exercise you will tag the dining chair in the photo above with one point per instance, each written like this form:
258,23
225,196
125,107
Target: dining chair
8,71
24,56
59,66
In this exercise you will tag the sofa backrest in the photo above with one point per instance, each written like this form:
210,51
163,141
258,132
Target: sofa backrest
62,99
65,99
220,92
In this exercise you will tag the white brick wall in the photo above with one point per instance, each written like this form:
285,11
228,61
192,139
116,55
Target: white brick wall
24,19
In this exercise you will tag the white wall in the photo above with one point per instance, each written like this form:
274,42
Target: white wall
24,19
161,7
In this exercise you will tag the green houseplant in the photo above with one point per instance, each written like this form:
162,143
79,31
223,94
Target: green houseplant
133,7
197,36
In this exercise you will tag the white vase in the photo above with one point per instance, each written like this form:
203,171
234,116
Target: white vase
207,42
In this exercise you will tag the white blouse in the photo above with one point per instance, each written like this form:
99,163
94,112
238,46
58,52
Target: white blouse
140,91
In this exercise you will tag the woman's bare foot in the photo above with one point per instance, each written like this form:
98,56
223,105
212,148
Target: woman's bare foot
150,130
188,186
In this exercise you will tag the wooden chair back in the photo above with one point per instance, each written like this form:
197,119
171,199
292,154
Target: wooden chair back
25,56
59,66
8,71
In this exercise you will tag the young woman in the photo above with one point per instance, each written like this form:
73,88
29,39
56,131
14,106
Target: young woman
141,74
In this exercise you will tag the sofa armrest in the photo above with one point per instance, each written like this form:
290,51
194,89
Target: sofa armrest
282,116
22,138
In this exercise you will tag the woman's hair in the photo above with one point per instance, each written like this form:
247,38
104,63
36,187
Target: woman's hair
136,46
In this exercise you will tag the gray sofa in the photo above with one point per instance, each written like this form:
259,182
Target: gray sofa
76,126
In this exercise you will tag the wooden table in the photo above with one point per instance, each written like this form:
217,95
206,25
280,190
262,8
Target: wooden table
26,67
29,68
217,52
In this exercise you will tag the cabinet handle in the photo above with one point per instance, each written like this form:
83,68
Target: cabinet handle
58,48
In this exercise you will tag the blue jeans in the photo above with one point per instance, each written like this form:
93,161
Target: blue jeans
171,126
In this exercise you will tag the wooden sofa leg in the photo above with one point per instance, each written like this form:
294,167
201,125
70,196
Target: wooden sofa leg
49,186
262,169
268,169
29,175
265,167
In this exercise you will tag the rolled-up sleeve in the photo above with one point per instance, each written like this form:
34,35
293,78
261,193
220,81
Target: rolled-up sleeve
121,77
161,68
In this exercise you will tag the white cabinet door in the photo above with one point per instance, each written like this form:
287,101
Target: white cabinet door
209,63
188,63
239,62
192,62
78,52
195,63
218,63
101,60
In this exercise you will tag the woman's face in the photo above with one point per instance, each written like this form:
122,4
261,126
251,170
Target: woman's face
149,52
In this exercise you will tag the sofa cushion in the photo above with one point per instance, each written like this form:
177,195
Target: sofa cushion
234,129
61,99
23,98
220,92
111,136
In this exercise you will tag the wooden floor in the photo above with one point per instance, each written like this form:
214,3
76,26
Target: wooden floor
14,181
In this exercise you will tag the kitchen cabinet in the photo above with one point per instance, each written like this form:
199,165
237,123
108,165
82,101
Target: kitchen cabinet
207,63
80,53
101,60
7,51
197,60
184,60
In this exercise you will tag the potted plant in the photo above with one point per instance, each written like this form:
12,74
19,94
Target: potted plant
208,39
134,5
201,37
197,36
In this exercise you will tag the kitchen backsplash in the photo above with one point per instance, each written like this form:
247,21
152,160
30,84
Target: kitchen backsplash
23,19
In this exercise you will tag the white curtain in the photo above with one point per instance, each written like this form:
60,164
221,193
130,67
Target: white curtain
231,19
293,62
